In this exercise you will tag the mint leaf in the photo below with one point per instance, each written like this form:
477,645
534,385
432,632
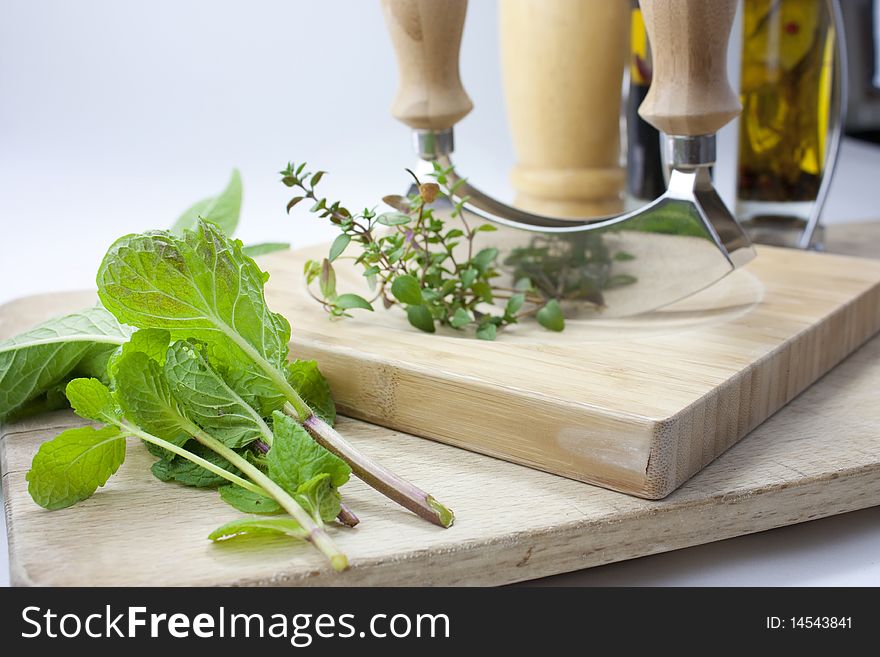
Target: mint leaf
295,457
73,465
159,452
145,397
310,384
259,527
208,400
152,413
223,209
320,497
52,400
190,474
231,297
550,316
92,400
201,287
407,290
248,501
47,355
95,363
152,342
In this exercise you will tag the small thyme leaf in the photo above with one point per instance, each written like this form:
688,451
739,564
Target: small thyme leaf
349,301
292,203
514,304
394,219
487,331
460,319
421,318
327,280
339,245
407,290
550,316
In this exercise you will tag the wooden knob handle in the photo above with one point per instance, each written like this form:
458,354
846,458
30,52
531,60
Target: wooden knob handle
690,93
427,36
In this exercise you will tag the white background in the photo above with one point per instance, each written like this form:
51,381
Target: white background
116,115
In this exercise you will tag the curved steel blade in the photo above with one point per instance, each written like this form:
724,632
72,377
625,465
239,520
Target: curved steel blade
679,244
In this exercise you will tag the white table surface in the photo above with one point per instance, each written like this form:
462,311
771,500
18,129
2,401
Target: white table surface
105,129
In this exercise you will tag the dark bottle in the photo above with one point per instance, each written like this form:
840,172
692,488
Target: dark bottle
644,162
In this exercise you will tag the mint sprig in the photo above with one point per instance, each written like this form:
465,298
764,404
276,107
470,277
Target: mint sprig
203,287
188,358
142,404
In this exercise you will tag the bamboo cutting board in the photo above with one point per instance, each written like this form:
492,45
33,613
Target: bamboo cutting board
636,405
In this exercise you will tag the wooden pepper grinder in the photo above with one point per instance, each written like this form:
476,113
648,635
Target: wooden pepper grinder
563,64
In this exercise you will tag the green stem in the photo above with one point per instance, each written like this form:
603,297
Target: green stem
302,409
530,311
189,456
79,337
316,534
505,295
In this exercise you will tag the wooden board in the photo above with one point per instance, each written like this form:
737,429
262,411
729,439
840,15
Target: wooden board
637,405
819,456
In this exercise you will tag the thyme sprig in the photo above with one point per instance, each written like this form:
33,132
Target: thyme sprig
413,257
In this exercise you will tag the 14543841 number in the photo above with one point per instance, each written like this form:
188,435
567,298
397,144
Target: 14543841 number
809,623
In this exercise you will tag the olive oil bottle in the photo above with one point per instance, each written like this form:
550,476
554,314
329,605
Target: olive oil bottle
788,70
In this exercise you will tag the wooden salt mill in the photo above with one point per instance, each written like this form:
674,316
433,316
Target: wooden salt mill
563,64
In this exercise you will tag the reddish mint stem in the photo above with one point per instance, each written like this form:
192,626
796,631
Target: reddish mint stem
383,480
346,516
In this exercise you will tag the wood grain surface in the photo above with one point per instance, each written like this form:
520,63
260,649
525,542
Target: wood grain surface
427,36
819,456
690,91
637,405
562,64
